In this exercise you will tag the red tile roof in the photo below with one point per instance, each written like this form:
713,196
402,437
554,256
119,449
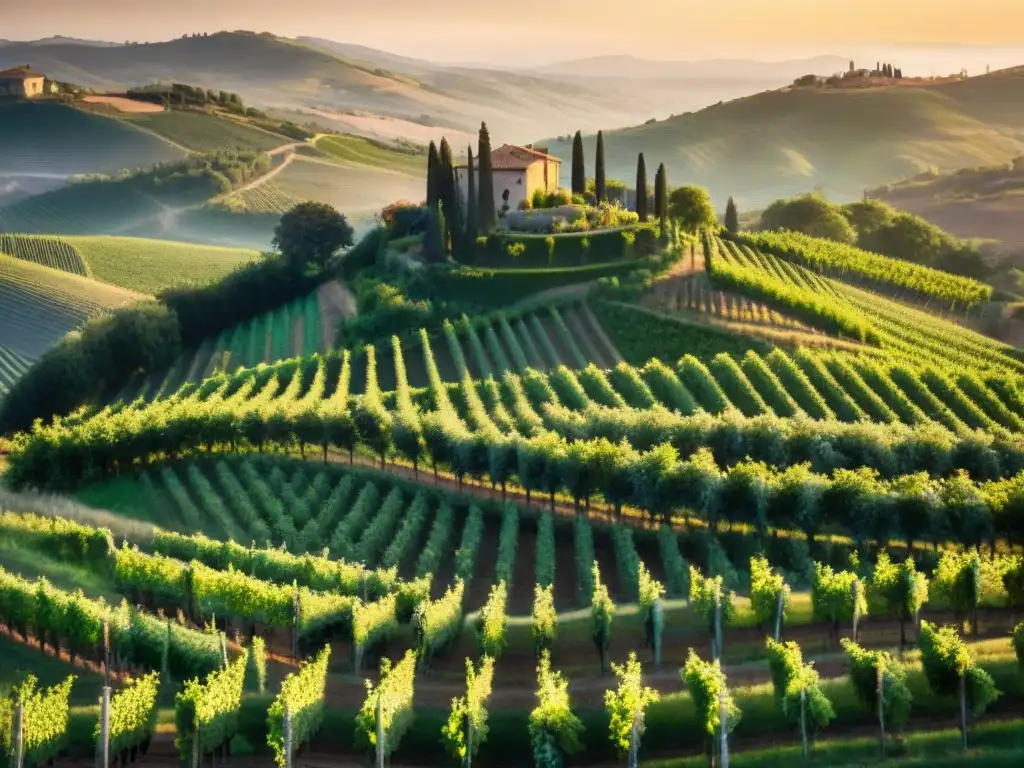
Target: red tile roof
19,73
510,157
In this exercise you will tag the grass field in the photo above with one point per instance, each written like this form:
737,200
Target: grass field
38,305
352,190
357,151
199,132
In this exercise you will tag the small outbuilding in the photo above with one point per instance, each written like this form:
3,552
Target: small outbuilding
22,82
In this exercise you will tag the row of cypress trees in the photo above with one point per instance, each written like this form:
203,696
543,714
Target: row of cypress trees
448,225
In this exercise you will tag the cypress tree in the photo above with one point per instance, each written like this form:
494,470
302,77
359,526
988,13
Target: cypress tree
485,206
657,191
433,249
433,192
641,188
579,166
472,225
732,218
662,195
600,192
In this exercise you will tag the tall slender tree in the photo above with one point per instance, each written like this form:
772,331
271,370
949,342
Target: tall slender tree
454,233
658,196
485,207
579,166
662,195
732,217
433,177
472,224
600,188
641,188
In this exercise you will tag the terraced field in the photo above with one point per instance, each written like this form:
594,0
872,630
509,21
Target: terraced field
200,132
38,305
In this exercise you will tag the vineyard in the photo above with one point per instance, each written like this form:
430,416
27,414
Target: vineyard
39,305
138,264
265,198
356,189
608,522
12,366
200,132
50,252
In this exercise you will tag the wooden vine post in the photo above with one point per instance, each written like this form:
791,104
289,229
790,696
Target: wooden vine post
106,654
634,741
196,757
296,618
803,721
18,728
854,594
380,731
963,707
287,736
880,694
716,651
656,623
723,722
469,741
104,745
780,606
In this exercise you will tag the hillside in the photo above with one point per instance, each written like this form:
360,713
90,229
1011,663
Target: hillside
313,74
38,154
839,140
38,305
984,202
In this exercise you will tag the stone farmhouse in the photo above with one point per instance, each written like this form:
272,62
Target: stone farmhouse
22,82
518,173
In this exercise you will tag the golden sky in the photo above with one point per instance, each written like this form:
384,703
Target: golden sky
547,30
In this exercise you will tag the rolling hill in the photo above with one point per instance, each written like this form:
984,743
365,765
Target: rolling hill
840,140
38,305
311,73
984,203
46,142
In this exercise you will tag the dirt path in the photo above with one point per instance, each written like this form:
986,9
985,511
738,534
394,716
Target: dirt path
336,301
611,351
298,331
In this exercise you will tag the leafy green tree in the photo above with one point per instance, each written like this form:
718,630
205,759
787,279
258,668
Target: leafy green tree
810,214
957,584
952,670
600,188
310,234
710,599
626,706
641,188
797,689
767,589
692,208
579,167
836,597
602,611
898,591
466,728
544,625
871,671
555,731
732,217
707,686
486,216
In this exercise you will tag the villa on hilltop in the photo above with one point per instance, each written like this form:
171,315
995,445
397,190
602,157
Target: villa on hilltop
518,173
22,82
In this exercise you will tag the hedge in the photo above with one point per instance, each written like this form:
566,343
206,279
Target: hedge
568,248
